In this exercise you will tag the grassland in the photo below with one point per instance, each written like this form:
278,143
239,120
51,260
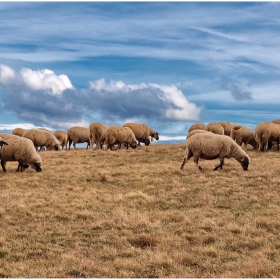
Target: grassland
134,213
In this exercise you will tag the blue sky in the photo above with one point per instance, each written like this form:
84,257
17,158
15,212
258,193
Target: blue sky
162,63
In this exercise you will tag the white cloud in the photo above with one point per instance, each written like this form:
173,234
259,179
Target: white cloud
6,74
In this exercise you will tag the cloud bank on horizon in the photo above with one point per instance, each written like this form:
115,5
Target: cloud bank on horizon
169,64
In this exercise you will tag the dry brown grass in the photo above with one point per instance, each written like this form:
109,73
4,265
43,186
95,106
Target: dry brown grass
135,214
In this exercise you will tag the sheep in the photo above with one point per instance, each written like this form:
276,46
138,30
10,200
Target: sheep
77,135
215,128
242,134
142,132
2,142
276,121
195,131
18,131
62,137
22,150
265,133
96,134
227,127
42,137
115,135
197,126
211,146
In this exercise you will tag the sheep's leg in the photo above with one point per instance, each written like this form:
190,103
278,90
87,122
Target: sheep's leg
220,165
3,163
196,158
70,142
188,155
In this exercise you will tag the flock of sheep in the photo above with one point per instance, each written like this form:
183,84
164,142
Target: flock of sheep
22,146
223,140
215,140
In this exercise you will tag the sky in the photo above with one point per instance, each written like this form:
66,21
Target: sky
166,64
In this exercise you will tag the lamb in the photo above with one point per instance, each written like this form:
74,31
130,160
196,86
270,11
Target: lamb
22,150
42,137
18,131
62,137
242,134
265,133
215,128
197,126
96,134
195,131
227,127
211,146
116,135
77,135
142,132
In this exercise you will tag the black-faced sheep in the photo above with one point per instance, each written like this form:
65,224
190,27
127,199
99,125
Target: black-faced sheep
18,131
197,126
22,150
242,134
116,135
78,135
97,134
142,132
212,146
227,127
215,128
62,137
265,133
42,137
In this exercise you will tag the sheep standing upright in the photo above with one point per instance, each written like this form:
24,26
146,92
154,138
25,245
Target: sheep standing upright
242,134
78,135
22,150
62,137
42,137
265,133
212,146
96,134
142,132
117,135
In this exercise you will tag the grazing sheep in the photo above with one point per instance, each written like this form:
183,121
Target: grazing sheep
265,133
22,150
96,134
2,142
227,127
78,135
18,131
42,137
242,134
276,121
211,146
197,126
62,137
142,132
116,135
215,128
195,131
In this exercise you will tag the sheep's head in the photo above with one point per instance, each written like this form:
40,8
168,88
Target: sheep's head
37,165
244,161
57,147
133,144
155,135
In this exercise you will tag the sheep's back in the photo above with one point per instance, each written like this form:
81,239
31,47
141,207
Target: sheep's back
18,131
197,126
215,128
78,134
139,130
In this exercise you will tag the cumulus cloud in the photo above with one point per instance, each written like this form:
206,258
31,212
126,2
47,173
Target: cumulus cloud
42,97
237,93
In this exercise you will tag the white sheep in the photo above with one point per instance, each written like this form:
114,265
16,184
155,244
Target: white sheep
212,146
117,135
242,134
22,150
227,127
62,137
77,135
142,132
97,134
18,131
215,128
42,137
195,131
265,133
197,126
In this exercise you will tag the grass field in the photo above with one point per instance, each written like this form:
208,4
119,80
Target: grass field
134,213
